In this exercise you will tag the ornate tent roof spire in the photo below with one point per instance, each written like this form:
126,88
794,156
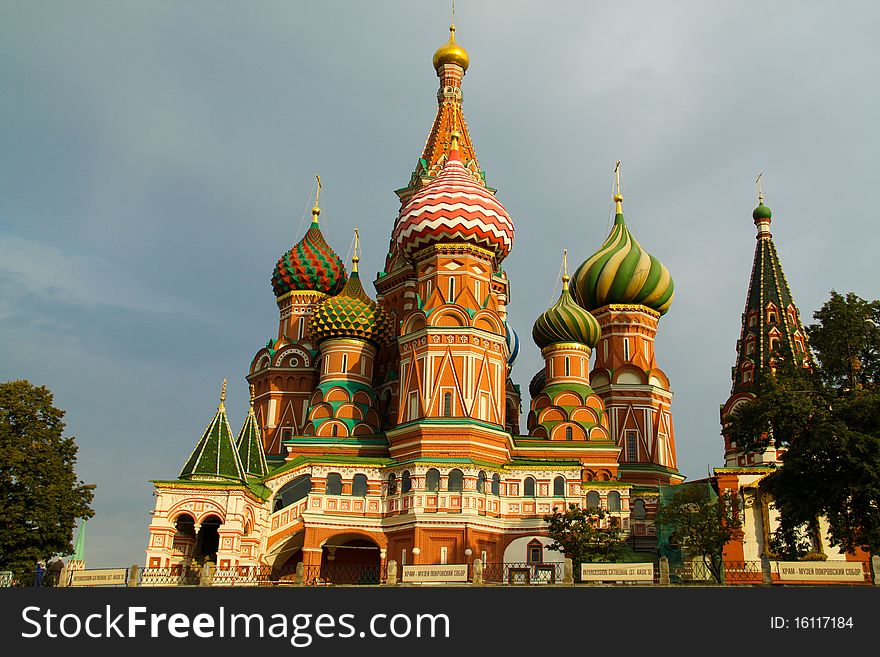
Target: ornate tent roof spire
249,445
215,456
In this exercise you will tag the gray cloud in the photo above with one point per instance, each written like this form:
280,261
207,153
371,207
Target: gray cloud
157,159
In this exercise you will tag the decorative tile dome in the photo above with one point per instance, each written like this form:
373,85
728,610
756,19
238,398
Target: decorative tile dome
622,272
310,265
454,208
352,314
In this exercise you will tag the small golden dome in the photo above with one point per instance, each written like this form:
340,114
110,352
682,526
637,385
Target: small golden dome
451,53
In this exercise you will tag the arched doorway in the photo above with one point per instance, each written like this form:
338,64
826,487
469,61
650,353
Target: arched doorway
208,539
351,559
184,536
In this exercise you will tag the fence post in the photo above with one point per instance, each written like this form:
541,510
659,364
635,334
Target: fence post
568,572
766,574
478,572
207,576
299,576
134,574
664,571
875,568
391,577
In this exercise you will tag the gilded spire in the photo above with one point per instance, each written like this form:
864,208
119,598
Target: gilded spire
354,258
453,140
223,396
565,276
316,210
618,197
760,191
252,397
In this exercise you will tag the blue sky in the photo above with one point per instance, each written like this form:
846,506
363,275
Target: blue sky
156,158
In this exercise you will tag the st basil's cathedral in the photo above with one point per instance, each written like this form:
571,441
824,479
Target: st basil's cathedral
389,428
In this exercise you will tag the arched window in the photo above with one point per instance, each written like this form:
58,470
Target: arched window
567,367
451,290
481,482
392,484
638,510
359,485
559,486
334,484
334,430
529,487
405,482
455,482
626,349
592,500
345,362
496,484
614,501
293,491
447,404
568,433
432,480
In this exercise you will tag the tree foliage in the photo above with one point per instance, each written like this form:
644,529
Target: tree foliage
846,342
700,523
585,536
40,495
828,421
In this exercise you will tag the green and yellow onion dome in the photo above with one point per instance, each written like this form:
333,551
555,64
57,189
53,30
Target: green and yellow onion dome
566,321
310,265
351,314
622,272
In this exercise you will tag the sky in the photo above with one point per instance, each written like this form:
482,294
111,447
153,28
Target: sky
157,158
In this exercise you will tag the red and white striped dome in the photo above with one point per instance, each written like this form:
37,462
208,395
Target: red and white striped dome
455,208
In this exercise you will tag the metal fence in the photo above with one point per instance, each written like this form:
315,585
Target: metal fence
344,574
179,575
523,573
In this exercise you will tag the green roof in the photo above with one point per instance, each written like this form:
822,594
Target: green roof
215,456
249,446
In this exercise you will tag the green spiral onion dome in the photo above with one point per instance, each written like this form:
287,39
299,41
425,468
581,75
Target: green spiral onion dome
351,314
622,272
566,321
310,265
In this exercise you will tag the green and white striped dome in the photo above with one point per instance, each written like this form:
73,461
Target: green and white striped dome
622,272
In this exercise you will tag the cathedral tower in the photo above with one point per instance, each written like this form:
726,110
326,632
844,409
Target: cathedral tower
628,290
771,332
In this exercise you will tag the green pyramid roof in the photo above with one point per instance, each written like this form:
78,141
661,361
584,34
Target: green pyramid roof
215,457
250,447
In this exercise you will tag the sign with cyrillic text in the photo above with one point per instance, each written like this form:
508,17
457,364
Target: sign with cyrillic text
435,573
820,571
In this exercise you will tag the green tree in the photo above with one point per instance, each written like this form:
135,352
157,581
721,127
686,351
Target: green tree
846,341
41,496
701,524
585,536
828,422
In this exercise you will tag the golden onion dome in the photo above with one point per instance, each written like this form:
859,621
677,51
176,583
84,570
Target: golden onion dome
451,53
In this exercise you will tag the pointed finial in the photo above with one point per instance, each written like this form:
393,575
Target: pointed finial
316,210
760,190
565,276
354,258
454,137
223,396
618,197
253,395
